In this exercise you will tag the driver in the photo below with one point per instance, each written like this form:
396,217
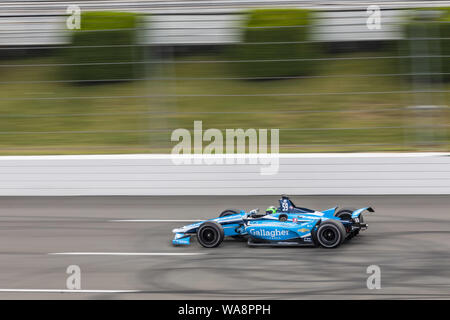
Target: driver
271,210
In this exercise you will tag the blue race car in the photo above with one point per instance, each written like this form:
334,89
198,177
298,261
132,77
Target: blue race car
287,225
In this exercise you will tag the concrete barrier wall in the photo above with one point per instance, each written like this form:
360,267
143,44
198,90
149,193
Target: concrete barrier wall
299,174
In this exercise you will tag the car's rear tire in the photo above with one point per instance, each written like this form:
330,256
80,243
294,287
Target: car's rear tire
210,234
331,234
345,214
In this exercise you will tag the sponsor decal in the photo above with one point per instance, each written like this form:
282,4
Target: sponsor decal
269,233
303,230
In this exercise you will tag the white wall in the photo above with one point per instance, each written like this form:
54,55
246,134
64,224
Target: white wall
299,174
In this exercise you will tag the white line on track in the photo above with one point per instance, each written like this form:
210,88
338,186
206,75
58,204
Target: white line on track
129,253
68,291
154,220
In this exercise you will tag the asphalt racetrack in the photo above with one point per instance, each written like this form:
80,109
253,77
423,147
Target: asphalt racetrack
408,238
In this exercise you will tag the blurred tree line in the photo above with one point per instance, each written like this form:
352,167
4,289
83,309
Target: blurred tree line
276,43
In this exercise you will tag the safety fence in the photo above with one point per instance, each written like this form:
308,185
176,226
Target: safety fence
346,85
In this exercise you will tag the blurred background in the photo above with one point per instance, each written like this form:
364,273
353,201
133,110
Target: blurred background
136,70
117,77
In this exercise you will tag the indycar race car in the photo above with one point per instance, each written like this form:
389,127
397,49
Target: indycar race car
287,225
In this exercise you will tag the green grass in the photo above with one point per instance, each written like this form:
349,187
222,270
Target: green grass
139,125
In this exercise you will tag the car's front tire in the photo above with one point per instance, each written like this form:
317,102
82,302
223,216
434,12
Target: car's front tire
331,234
210,234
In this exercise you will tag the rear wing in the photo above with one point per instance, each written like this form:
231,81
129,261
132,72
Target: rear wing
358,212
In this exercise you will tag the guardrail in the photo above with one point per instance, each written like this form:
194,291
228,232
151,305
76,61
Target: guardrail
299,174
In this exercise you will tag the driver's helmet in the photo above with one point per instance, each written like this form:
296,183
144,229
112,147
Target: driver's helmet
271,210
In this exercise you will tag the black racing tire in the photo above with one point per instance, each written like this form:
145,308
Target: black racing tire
345,213
331,234
210,234
229,212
